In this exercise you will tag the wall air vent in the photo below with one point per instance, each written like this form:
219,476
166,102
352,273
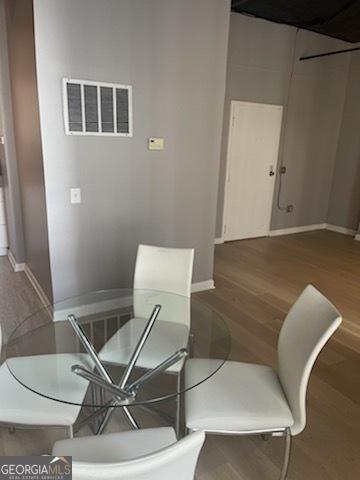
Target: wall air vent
94,108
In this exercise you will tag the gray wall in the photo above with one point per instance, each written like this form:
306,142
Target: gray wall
28,141
259,68
173,52
9,165
344,206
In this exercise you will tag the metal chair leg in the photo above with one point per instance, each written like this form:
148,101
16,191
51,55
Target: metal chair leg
178,407
191,345
287,453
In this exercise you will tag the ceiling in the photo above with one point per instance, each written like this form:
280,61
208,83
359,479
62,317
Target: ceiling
335,18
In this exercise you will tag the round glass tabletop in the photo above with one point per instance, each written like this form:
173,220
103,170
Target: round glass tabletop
115,348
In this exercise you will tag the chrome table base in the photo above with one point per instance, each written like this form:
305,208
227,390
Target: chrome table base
123,393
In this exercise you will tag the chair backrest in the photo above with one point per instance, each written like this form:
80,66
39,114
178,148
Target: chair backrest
168,273
176,462
308,326
164,269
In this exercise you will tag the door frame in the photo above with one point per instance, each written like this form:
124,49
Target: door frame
227,165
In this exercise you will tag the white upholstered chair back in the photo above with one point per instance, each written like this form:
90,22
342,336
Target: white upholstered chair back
308,326
176,462
167,274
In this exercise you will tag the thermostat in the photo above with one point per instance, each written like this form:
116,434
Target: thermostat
156,143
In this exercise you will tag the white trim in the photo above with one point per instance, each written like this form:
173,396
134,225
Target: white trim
18,267
336,228
227,170
98,110
22,267
310,228
219,240
3,251
82,106
37,287
201,286
357,237
99,84
303,228
89,306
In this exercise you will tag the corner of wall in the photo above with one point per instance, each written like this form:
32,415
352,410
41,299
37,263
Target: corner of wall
9,161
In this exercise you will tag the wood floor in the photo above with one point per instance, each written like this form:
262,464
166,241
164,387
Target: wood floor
256,282
17,298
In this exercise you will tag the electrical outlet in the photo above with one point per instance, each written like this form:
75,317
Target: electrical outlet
290,208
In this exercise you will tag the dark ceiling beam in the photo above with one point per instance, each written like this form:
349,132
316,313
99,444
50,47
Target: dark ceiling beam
323,20
237,6
238,3
327,54
334,18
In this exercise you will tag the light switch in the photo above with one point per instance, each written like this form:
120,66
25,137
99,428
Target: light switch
155,143
75,195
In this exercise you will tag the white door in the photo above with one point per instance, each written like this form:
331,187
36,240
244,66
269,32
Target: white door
252,160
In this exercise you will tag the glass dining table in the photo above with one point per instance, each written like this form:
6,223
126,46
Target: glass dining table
116,349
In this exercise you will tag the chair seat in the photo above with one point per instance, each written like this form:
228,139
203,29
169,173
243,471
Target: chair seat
19,405
116,447
165,339
240,397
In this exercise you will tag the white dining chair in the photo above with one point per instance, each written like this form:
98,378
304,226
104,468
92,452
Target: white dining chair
23,408
249,399
149,454
162,276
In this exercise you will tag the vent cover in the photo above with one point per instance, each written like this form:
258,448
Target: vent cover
94,108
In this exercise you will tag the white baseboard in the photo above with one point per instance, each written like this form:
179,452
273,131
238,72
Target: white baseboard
22,267
357,237
201,286
310,228
304,228
336,228
3,251
219,240
36,285
92,307
18,267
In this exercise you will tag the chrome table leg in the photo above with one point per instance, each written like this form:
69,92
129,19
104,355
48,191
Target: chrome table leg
94,356
121,392
128,370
